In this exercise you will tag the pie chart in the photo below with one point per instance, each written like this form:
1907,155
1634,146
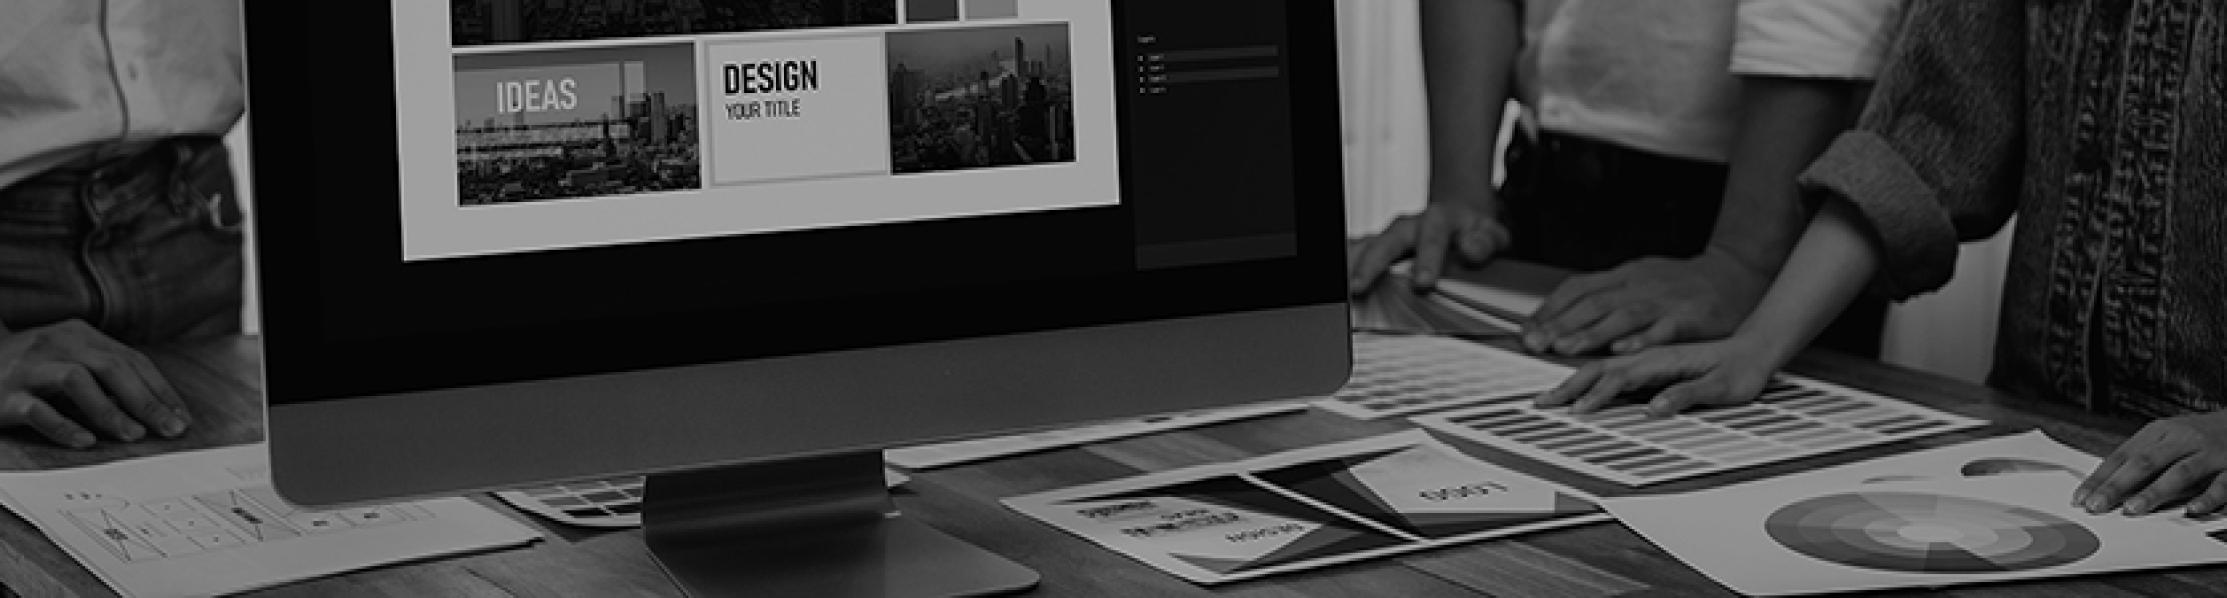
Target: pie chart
1915,532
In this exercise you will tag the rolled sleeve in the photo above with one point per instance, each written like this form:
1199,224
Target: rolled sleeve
1845,39
1917,240
1938,156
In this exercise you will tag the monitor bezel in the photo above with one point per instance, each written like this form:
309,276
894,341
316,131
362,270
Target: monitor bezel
356,422
309,110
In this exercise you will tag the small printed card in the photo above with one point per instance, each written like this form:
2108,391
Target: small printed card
1309,508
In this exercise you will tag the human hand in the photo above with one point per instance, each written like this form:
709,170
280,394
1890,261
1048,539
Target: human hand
72,366
1646,303
1468,226
1727,372
2168,460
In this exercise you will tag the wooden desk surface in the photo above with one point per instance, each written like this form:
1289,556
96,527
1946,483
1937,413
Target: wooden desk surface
1595,560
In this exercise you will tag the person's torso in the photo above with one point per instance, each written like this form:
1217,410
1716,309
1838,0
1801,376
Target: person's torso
80,78
2117,295
1652,75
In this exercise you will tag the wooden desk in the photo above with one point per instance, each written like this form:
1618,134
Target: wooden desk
1596,560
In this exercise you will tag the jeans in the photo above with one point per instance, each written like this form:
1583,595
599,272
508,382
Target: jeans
146,248
1588,206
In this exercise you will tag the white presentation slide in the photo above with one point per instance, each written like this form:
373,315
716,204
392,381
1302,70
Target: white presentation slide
551,124
776,94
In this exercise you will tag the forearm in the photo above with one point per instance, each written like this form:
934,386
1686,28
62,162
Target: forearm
1785,123
1828,267
1469,51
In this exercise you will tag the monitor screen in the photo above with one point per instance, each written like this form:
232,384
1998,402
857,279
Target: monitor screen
506,190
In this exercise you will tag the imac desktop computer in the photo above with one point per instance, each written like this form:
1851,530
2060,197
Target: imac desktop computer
742,246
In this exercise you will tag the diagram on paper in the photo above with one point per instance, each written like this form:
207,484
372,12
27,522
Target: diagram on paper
209,522
1400,375
1928,533
1983,511
1794,417
185,525
1309,508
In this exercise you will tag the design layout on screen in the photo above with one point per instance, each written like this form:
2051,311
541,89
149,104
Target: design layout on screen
549,124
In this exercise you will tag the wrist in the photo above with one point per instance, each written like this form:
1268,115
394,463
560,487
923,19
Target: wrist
1753,259
1767,350
1476,196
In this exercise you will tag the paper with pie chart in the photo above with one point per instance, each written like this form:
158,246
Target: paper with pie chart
1309,508
2027,452
2030,452
1776,539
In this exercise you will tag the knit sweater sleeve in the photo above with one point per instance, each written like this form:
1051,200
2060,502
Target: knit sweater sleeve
1937,156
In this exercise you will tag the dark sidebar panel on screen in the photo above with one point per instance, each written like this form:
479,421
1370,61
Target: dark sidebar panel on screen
1208,119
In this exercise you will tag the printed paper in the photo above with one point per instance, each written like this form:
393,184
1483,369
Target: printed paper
1309,508
966,451
207,522
1780,538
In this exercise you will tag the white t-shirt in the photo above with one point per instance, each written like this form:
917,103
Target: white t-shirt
1660,75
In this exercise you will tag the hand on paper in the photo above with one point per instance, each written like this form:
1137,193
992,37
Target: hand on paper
1647,303
1726,372
2170,459
63,378
1466,227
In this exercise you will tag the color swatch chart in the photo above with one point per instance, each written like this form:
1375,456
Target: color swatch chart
1794,418
1398,375
614,502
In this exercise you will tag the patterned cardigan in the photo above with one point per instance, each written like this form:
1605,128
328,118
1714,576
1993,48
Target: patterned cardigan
2103,125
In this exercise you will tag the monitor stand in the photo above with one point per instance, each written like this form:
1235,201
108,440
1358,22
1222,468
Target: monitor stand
822,526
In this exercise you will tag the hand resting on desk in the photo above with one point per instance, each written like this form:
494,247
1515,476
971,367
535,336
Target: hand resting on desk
1646,303
1726,372
1466,228
2169,460
2172,461
52,373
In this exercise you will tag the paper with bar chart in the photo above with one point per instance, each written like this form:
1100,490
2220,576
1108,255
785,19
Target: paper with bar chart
1309,508
1795,417
1400,375
1780,538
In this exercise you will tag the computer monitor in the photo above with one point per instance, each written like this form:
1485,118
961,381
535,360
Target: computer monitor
740,246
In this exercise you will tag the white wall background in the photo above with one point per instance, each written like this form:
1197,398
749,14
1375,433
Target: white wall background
252,318
1387,168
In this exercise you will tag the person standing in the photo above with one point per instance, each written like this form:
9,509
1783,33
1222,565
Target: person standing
119,224
2098,124
1657,150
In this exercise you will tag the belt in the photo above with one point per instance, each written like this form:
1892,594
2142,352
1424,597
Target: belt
118,164
168,162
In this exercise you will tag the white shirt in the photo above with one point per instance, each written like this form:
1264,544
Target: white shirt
1661,75
100,77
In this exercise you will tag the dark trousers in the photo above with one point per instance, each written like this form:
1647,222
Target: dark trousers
146,248
1589,206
